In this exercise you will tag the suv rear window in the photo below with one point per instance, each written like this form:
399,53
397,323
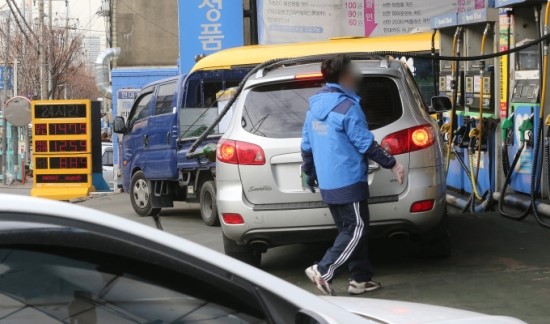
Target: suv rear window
279,110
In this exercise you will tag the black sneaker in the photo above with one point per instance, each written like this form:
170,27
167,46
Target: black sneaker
357,288
315,276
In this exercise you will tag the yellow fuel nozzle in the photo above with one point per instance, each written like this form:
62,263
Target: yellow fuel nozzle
547,121
474,132
446,128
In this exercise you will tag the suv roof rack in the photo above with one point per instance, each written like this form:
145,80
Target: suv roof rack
319,58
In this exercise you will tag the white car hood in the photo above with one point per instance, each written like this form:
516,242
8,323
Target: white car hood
396,312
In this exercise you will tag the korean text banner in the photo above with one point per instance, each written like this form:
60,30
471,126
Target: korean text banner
283,21
207,26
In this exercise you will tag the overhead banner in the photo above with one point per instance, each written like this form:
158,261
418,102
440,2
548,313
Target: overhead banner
283,21
207,26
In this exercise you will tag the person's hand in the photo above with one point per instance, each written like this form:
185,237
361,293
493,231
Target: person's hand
399,172
311,183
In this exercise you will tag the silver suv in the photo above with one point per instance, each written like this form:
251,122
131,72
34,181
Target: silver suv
263,201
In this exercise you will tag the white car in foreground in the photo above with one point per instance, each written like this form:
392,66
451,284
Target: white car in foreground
63,263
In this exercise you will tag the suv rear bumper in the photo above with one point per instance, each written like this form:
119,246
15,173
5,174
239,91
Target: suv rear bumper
272,227
293,235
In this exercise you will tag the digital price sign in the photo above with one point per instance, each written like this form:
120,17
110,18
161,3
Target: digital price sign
61,162
60,129
62,148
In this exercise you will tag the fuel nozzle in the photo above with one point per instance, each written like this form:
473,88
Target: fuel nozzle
461,135
526,127
475,134
508,130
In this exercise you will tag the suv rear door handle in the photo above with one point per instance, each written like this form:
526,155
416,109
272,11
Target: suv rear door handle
145,140
373,167
168,137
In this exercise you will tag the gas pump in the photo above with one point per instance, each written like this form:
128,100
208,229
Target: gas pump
525,104
471,164
479,104
522,131
451,85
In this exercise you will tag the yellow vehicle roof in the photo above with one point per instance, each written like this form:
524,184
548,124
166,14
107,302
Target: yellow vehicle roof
255,54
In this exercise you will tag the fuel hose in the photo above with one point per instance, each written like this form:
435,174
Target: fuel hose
538,138
231,101
477,132
455,67
507,137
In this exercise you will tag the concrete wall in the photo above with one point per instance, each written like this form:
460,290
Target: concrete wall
146,31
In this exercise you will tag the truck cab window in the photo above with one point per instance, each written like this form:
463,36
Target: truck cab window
140,110
165,98
200,106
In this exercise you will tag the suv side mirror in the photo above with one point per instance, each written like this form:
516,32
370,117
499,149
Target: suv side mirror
119,125
440,104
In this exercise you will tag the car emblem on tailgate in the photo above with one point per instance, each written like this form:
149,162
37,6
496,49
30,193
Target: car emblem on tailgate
262,188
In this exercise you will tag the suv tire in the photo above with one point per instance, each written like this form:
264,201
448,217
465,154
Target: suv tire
208,204
242,253
140,195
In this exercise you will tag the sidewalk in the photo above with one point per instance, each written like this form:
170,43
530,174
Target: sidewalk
17,188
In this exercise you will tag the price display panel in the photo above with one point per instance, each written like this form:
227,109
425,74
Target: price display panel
62,148
53,163
60,127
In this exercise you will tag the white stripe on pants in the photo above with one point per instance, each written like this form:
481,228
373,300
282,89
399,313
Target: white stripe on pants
350,248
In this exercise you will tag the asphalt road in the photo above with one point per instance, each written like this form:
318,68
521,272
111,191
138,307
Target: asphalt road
498,266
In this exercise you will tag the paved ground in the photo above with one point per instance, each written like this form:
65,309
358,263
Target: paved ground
498,266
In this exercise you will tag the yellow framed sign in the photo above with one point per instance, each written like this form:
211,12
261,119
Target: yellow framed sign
62,149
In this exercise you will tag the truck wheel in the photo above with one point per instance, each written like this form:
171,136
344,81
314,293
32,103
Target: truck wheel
208,204
242,253
437,244
140,195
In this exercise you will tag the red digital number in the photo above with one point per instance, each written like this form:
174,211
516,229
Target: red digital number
61,129
72,146
61,146
74,163
83,163
62,163
67,129
82,146
71,129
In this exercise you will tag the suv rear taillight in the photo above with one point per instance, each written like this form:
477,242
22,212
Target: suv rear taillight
409,140
235,152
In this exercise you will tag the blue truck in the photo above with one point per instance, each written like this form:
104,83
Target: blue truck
167,116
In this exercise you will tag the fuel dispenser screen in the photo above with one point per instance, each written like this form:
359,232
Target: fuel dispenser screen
473,87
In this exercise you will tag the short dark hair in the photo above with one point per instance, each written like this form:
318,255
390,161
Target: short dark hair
333,68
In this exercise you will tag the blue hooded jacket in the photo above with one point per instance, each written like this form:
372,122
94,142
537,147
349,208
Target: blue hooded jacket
336,145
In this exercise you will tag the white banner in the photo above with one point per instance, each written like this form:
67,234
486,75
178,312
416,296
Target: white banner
284,21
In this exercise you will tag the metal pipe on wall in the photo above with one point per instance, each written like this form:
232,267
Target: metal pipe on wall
102,71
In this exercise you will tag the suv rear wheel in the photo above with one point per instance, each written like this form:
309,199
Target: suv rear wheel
208,204
140,195
242,253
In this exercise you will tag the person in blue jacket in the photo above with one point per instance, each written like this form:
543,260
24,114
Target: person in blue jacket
336,147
